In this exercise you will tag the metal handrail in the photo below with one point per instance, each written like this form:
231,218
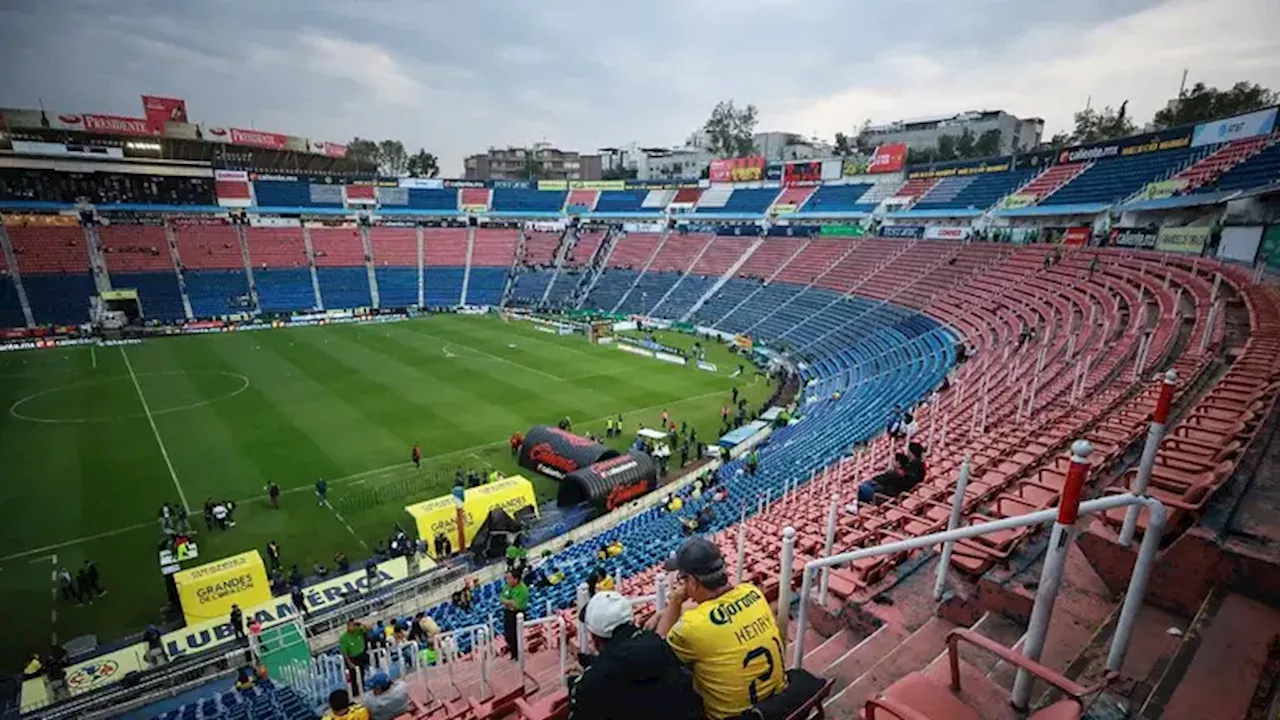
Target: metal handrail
1129,609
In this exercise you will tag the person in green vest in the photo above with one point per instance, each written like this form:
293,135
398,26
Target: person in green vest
494,476
517,557
514,599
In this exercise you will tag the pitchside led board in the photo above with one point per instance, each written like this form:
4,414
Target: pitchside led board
208,591
440,515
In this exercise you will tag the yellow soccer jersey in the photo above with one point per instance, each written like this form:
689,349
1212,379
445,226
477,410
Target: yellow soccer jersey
734,649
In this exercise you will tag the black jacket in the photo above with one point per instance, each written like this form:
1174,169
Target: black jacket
636,676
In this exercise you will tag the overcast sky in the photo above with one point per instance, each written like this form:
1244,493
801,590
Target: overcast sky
456,76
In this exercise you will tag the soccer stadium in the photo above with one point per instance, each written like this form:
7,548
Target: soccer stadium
978,438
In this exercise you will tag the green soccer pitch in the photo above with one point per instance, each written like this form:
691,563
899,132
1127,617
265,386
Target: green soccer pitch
93,441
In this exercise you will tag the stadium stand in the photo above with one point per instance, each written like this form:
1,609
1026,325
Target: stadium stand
395,258
433,199
54,262
445,258
973,192
839,199
213,269
296,194
1258,171
620,201
915,188
1107,181
137,257
1221,160
473,197
792,199
753,201
1048,182
535,202
581,201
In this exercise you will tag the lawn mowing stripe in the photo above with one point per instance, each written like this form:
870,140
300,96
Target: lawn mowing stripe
347,525
491,356
154,430
350,478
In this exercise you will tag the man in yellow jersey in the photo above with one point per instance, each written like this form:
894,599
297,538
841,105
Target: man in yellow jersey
730,640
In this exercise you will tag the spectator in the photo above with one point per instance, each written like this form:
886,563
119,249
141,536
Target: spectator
273,495
83,586
514,599
635,675
341,708
516,441
295,576
443,547
273,554
711,636
354,655
155,645
237,622
67,587
33,668
341,563
244,680
299,600
322,491
371,570
904,427
891,482
388,700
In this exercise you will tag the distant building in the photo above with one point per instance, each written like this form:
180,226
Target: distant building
540,162
1016,134
693,159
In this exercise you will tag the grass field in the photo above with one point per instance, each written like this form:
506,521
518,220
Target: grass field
94,440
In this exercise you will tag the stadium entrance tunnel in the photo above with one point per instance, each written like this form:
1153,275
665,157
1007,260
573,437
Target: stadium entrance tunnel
610,483
557,453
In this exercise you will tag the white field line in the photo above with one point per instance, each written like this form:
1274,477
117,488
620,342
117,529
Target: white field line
354,479
155,431
347,525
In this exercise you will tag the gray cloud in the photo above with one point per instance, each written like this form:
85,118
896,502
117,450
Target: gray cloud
457,77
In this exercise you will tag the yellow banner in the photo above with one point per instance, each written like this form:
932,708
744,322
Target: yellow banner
553,184
1164,188
742,341
597,184
21,220
477,208
440,515
119,294
1182,239
784,208
207,592
110,667
1017,201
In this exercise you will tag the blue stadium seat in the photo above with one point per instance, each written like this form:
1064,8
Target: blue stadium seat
296,194
529,286
976,192
443,286
1113,180
344,288
284,289
397,286
749,200
839,198
430,199
10,307
59,299
620,201
157,292
1259,170
485,285
530,201
214,293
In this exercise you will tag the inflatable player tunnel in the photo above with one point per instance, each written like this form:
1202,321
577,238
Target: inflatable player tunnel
610,483
556,453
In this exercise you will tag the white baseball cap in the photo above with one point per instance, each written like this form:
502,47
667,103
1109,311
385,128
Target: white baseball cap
606,611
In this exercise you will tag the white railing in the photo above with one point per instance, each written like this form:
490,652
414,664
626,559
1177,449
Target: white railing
1051,578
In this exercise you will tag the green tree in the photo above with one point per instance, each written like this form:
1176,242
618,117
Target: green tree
364,153
1202,103
863,141
844,147
946,149
1058,141
422,164
964,144
988,144
1106,124
392,158
731,130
